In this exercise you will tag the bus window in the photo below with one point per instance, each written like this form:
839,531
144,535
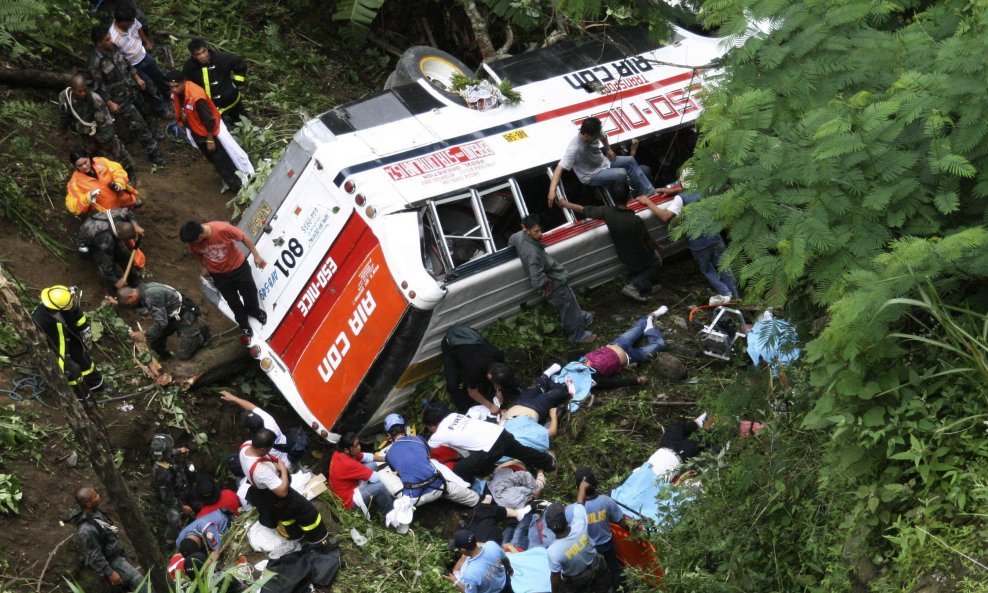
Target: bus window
534,186
434,258
503,214
463,227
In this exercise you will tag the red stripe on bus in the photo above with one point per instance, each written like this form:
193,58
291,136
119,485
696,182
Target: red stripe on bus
558,235
349,249
632,92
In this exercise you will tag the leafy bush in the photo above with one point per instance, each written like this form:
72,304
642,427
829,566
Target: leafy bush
10,494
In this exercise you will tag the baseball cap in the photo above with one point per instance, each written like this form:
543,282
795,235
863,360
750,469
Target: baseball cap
555,516
392,420
463,539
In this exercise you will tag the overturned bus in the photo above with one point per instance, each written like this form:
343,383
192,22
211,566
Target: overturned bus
387,219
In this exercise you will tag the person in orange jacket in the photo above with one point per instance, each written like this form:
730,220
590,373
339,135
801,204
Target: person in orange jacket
98,184
197,113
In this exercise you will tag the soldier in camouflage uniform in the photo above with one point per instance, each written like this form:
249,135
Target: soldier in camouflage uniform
116,81
84,113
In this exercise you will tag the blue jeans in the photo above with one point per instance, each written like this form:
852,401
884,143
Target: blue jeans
156,90
624,168
518,535
573,318
709,261
644,279
653,342
379,493
542,401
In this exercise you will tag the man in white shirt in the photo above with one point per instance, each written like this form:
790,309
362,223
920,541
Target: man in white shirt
485,443
128,34
271,492
255,418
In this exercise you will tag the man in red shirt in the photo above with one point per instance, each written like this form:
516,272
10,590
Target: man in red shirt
212,244
346,473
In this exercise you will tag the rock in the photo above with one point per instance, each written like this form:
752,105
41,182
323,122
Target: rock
72,460
679,323
670,367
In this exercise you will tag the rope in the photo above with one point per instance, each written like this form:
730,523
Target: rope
33,388
89,124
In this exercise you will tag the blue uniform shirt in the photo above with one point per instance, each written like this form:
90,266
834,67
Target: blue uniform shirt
601,512
409,457
210,527
574,553
484,573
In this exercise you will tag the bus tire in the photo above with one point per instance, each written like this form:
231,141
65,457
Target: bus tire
434,65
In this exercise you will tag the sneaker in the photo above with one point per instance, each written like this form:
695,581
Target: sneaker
632,293
659,312
701,419
588,318
720,299
552,370
522,512
539,505
262,317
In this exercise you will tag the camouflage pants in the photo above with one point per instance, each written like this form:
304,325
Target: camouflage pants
138,126
110,146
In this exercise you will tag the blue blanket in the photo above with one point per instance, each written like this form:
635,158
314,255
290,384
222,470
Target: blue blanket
531,571
643,494
582,379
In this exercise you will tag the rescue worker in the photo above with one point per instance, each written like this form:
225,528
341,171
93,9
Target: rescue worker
205,534
115,79
197,113
98,184
171,312
69,335
111,237
86,114
271,492
173,481
101,545
219,73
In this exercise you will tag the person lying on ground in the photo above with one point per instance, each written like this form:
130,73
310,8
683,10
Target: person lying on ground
255,418
486,443
205,534
353,482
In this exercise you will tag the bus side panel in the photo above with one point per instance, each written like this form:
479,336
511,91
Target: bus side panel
323,290
349,339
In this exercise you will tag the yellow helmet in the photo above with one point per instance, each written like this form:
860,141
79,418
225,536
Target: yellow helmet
58,297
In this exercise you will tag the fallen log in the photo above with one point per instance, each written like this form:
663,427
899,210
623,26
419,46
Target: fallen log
225,357
34,78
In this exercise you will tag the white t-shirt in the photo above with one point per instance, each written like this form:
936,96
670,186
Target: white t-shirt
279,437
266,474
585,159
466,434
674,205
129,42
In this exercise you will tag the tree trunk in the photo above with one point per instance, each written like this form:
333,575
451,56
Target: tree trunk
480,33
87,434
34,78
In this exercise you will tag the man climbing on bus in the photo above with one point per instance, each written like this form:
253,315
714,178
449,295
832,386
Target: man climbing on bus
585,157
549,278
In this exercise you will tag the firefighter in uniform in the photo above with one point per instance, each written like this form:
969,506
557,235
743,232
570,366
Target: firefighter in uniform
85,113
173,482
219,73
69,334
115,79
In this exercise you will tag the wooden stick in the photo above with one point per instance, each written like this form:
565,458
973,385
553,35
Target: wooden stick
41,579
130,264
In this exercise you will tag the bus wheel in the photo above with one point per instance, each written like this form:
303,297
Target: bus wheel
434,65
